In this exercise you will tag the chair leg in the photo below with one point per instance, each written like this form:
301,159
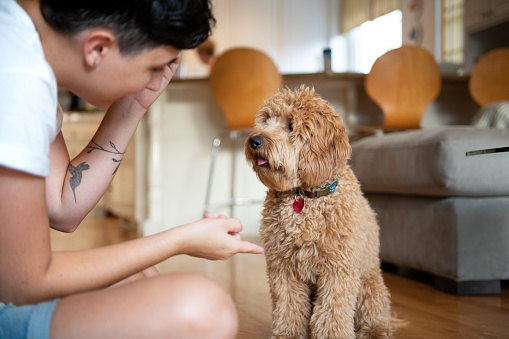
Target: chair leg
234,137
215,150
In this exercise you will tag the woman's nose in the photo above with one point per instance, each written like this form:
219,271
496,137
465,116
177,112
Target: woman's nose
155,81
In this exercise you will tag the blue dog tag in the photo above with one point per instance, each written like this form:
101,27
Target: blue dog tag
333,187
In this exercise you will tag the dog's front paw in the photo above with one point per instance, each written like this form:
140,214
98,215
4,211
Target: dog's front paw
289,336
376,332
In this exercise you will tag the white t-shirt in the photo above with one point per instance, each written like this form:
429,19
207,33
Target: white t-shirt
28,94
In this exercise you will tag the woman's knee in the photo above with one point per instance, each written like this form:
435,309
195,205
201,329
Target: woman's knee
204,307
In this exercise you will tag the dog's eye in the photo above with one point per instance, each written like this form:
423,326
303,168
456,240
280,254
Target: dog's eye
290,127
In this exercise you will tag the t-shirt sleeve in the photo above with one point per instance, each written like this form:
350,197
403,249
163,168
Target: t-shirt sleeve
27,122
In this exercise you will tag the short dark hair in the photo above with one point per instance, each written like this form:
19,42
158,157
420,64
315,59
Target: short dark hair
137,24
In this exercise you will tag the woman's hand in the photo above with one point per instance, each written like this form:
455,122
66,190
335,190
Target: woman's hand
214,238
146,97
139,102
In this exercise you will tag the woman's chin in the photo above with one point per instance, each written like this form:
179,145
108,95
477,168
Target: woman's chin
103,106
100,104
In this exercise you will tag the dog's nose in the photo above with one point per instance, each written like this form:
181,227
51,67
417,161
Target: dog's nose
255,142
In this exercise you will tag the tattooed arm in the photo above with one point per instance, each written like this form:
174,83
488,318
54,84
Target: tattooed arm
75,186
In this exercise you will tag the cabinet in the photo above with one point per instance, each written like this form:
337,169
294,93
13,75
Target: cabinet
486,28
120,197
480,15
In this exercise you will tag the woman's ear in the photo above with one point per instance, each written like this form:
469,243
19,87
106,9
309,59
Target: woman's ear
98,43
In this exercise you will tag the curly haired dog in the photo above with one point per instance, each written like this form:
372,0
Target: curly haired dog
320,234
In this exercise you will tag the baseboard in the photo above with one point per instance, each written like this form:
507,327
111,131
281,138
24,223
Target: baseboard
461,288
468,288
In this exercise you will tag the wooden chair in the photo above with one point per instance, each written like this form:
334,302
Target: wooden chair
240,80
489,81
489,87
403,82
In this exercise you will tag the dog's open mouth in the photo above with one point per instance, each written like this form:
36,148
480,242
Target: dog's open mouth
262,162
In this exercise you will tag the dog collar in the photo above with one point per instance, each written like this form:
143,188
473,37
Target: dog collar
299,203
320,192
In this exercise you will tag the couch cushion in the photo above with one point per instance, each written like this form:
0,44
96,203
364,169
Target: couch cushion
459,238
432,162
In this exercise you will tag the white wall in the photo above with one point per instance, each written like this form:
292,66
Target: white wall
293,32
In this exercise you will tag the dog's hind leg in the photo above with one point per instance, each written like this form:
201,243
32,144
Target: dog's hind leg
373,308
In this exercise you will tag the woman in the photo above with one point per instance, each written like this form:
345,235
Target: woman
119,56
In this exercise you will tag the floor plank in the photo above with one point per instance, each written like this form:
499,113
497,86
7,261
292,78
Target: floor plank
428,312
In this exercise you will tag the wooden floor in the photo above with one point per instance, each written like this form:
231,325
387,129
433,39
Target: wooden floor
428,312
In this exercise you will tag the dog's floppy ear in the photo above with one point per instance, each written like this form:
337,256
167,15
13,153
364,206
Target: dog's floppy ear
325,151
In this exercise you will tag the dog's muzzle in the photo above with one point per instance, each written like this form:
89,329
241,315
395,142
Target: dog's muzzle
255,142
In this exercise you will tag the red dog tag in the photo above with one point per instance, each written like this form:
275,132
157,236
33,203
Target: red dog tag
298,205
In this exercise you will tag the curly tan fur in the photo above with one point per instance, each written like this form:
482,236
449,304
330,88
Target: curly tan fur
323,265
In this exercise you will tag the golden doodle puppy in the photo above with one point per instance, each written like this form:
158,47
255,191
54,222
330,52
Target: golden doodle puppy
320,234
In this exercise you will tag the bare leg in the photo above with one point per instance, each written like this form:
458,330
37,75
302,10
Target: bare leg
168,306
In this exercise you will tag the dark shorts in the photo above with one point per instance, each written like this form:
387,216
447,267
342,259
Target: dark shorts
26,322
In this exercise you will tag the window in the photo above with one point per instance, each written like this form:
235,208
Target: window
357,50
452,31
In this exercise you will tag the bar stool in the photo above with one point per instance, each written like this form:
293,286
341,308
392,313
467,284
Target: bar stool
240,80
489,87
489,80
403,82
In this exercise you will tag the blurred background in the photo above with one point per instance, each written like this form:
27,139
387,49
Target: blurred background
163,178
295,32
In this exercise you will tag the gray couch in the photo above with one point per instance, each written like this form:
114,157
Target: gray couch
441,212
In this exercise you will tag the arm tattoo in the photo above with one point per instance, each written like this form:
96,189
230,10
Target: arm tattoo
100,148
76,174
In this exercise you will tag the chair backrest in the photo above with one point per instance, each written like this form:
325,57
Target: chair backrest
489,81
241,79
403,82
